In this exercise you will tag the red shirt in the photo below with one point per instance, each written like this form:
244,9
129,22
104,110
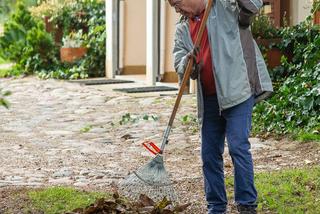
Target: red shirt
206,74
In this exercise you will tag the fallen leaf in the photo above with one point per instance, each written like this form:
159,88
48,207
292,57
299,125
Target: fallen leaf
163,203
126,137
115,195
181,208
146,201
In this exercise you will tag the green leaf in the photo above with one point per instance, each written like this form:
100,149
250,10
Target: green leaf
7,93
155,118
163,204
85,129
145,117
4,103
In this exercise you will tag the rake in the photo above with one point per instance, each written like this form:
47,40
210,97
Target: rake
152,179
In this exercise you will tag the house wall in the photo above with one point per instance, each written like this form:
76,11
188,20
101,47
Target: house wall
134,59
134,37
134,32
171,19
300,9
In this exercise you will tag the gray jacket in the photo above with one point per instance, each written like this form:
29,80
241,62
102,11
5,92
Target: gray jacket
239,68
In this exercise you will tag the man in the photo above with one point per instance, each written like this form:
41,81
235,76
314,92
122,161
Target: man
231,76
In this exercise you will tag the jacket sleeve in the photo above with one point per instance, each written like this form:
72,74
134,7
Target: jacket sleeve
180,52
251,6
248,8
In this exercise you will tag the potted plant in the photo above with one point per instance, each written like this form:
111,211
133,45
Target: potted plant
267,37
46,11
72,47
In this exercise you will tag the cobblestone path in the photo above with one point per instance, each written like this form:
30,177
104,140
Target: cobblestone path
62,133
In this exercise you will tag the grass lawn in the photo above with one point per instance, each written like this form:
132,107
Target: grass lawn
287,191
308,137
4,73
62,199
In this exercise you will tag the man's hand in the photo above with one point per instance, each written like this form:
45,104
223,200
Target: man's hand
194,53
196,67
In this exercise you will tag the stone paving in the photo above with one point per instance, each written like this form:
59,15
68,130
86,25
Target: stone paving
57,132
63,133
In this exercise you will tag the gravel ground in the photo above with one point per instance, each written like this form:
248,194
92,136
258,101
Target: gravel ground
62,133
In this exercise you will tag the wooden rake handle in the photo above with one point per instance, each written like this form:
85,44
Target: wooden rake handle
190,63
186,75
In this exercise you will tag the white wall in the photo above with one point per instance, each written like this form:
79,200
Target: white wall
300,9
171,20
135,32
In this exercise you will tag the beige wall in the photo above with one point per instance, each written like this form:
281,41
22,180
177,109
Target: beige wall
300,9
134,38
171,20
134,44
134,33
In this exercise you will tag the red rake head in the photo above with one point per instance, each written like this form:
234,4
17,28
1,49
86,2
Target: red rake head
152,147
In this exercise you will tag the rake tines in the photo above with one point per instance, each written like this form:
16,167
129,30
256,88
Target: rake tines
151,179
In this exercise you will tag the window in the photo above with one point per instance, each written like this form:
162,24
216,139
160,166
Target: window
273,10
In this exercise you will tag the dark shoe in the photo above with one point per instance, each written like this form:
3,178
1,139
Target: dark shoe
242,209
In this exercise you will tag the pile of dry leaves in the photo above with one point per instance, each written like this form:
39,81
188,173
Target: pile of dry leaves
145,205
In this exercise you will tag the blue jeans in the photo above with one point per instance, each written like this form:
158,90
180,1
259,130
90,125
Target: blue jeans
235,124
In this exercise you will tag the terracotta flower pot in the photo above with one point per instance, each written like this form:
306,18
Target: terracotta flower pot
273,54
267,42
72,54
274,57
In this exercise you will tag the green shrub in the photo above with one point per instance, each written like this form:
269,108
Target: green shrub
5,72
315,6
297,39
94,62
26,43
8,6
295,105
301,42
3,61
64,71
15,30
263,28
5,8
39,53
33,50
87,16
